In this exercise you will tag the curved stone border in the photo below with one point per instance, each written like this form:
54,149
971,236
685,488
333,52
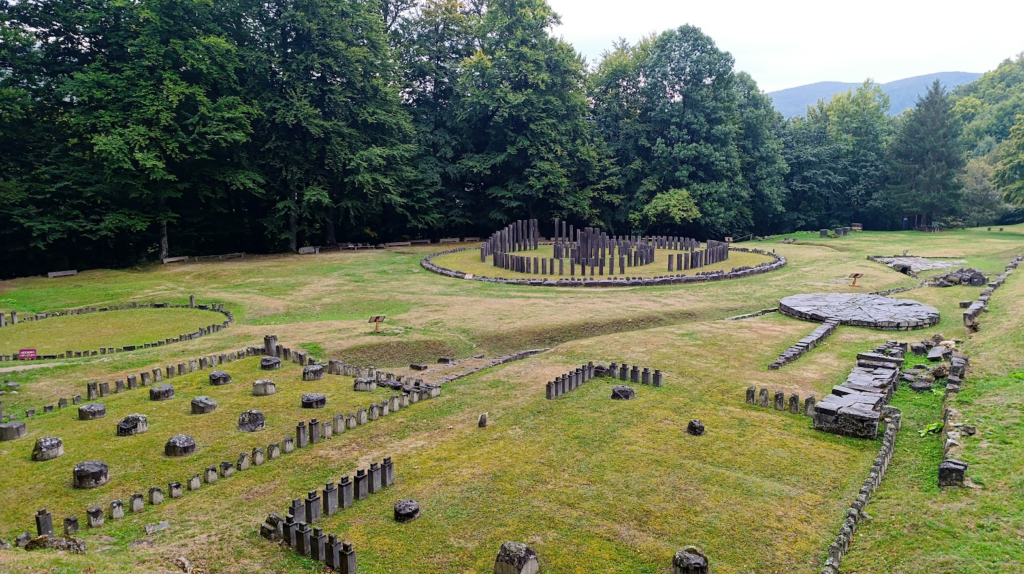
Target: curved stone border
215,307
701,277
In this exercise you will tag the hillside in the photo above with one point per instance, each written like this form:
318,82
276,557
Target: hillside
902,93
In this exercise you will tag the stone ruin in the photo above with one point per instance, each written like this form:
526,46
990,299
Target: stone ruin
202,405
855,407
406,510
47,448
860,310
294,529
90,474
622,393
690,560
132,425
516,558
573,379
180,445
218,378
971,277
251,421
589,247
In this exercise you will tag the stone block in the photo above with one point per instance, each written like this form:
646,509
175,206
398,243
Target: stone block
47,448
516,558
90,474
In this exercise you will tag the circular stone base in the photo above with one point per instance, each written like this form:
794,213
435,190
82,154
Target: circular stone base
91,474
314,400
180,445
857,310
161,393
270,363
406,510
622,393
47,448
132,425
252,421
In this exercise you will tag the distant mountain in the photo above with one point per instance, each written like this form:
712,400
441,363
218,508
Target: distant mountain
902,93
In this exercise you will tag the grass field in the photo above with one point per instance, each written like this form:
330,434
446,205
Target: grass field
592,485
106,329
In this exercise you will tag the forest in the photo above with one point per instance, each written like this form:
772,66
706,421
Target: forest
132,131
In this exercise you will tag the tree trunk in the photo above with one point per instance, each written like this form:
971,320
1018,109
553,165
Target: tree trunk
164,244
329,228
293,226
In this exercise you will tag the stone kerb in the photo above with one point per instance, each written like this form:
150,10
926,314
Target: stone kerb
855,513
972,314
69,354
815,338
615,281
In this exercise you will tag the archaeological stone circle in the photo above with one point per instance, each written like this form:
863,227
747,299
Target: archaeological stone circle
861,310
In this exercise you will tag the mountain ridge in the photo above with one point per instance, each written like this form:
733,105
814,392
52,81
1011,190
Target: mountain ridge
903,93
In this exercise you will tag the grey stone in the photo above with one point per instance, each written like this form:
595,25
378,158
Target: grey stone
218,378
91,411
161,392
47,448
12,430
202,405
263,388
314,400
180,445
861,310
695,427
952,473
251,420
90,474
132,425
406,510
516,558
690,560
270,363
622,393
313,373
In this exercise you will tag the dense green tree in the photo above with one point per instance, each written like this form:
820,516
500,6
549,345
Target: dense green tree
435,41
816,180
926,159
1009,174
983,202
333,138
524,113
761,162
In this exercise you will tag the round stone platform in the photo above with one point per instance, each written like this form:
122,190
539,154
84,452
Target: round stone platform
861,310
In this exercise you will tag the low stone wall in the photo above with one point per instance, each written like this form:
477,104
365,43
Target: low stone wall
215,307
680,278
855,513
972,313
752,315
806,344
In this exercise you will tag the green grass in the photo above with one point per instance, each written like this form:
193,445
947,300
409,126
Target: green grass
591,484
103,329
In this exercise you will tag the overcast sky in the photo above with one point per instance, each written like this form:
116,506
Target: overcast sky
787,43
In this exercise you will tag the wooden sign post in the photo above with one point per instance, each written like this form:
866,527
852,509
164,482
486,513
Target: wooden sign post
377,320
855,277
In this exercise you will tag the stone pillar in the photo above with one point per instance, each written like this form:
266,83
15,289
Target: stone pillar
656,381
330,499
362,484
794,404
762,398
751,395
94,517
301,435
388,471
44,523
313,507
780,401
346,494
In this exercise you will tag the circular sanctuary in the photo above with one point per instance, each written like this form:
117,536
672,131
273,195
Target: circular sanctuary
861,310
84,329
589,257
